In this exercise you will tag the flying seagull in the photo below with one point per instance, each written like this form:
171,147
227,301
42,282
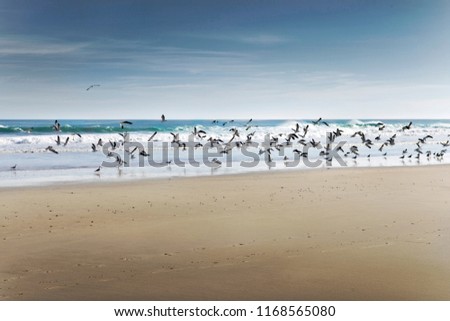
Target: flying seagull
153,135
317,121
92,86
126,122
51,149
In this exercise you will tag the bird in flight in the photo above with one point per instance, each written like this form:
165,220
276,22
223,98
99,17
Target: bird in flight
92,86
126,122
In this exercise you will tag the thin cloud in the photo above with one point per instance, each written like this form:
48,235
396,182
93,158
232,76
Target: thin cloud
35,47
263,39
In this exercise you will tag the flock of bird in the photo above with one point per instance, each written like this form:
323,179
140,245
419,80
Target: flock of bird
243,134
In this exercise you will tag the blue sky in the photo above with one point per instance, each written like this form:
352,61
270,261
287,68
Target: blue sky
224,59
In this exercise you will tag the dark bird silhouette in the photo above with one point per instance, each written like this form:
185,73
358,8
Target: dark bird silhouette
317,121
51,149
407,127
126,122
153,135
56,126
445,144
92,86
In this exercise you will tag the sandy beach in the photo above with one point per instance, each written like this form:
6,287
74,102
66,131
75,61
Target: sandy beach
339,234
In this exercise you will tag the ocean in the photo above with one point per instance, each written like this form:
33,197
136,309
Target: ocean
26,160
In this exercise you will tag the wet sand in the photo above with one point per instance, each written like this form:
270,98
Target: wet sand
340,234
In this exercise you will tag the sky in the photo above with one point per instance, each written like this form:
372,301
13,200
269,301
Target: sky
224,59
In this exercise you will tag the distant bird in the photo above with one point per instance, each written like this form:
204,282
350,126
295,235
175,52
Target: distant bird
126,122
98,169
153,135
317,121
445,144
67,141
163,118
216,161
407,127
423,140
251,119
51,149
200,133
92,86
56,126
14,167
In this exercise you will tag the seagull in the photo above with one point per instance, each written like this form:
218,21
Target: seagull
51,149
13,168
216,161
317,121
56,126
445,144
423,140
92,86
407,127
98,169
200,133
153,135
67,141
126,122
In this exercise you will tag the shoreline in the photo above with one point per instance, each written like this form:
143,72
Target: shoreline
378,234
109,180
